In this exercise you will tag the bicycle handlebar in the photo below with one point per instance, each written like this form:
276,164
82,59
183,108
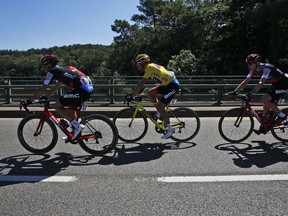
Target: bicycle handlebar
40,101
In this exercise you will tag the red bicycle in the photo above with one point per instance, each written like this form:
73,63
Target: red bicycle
237,124
38,134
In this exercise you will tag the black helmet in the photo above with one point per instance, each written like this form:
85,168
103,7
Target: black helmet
253,58
49,60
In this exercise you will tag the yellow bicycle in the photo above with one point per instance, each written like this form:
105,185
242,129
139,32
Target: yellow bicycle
132,123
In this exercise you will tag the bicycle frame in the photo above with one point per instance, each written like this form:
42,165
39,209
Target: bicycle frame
248,108
139,106
47,113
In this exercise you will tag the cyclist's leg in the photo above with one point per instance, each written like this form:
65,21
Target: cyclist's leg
168,92
160,106
272,98
71,98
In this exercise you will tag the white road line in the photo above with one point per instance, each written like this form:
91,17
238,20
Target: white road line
16,178
231,178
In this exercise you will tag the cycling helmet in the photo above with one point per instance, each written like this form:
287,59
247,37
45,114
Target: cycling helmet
49,60
253,58
142,58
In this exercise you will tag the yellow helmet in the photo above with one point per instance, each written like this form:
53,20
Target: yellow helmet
142,57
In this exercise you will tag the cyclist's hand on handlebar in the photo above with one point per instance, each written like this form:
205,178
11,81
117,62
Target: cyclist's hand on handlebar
24,103
43,97
246,97
129,97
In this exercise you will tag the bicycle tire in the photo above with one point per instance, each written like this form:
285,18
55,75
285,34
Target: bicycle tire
279,133
232,133
130,133
106,135
190,121
40,143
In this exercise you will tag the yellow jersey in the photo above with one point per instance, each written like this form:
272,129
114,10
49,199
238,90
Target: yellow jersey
159,73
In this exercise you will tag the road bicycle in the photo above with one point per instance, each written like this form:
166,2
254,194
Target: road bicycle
237,124
37,132
132,123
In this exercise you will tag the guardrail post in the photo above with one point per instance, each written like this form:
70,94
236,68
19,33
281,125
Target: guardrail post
219,95
8,92
111,91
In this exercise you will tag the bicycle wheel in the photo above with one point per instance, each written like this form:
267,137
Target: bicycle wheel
37,136
186,123
281,132
236,125
130,131
101,135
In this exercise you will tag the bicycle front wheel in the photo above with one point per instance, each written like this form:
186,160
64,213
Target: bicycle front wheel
236,125
36,135
128,130
185,122
281,132
100,135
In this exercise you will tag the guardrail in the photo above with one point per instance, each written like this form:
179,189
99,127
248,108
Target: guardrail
111,90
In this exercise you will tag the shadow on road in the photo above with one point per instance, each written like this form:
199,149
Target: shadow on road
261,155
141,152
40,165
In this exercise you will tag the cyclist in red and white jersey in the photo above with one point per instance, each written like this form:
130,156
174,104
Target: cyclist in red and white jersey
168,87
76,80
268,74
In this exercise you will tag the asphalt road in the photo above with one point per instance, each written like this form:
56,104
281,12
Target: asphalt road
128,181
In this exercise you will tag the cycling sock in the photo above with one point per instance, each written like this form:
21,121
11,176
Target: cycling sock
169,125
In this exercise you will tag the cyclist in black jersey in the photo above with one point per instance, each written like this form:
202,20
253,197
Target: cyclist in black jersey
268,74
76,80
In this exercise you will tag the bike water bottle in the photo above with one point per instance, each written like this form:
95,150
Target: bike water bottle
64,123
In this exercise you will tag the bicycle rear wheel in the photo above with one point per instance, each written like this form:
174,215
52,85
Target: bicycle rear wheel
236,125
281,132
185,122
37,136
130,131
100,135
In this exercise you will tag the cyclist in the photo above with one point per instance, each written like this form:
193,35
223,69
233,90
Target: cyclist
269,74
168,87
76,80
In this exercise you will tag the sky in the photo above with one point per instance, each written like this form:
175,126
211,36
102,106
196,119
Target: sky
26,24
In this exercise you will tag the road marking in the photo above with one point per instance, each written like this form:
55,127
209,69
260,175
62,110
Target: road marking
19,178
231,178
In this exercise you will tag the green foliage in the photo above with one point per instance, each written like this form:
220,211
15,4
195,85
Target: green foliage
207,37
183,64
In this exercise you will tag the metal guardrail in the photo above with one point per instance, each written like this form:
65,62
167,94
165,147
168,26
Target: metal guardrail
200,88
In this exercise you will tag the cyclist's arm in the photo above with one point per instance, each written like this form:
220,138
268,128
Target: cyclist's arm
139,87
243,84
259,86
40,91
54,89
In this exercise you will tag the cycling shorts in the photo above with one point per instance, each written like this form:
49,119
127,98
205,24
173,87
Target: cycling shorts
76,97
168,91
279,89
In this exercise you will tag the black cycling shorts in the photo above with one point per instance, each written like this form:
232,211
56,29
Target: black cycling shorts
168,91
75,97
279,89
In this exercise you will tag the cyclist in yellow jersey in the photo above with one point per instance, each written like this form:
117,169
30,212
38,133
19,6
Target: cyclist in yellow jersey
168,87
